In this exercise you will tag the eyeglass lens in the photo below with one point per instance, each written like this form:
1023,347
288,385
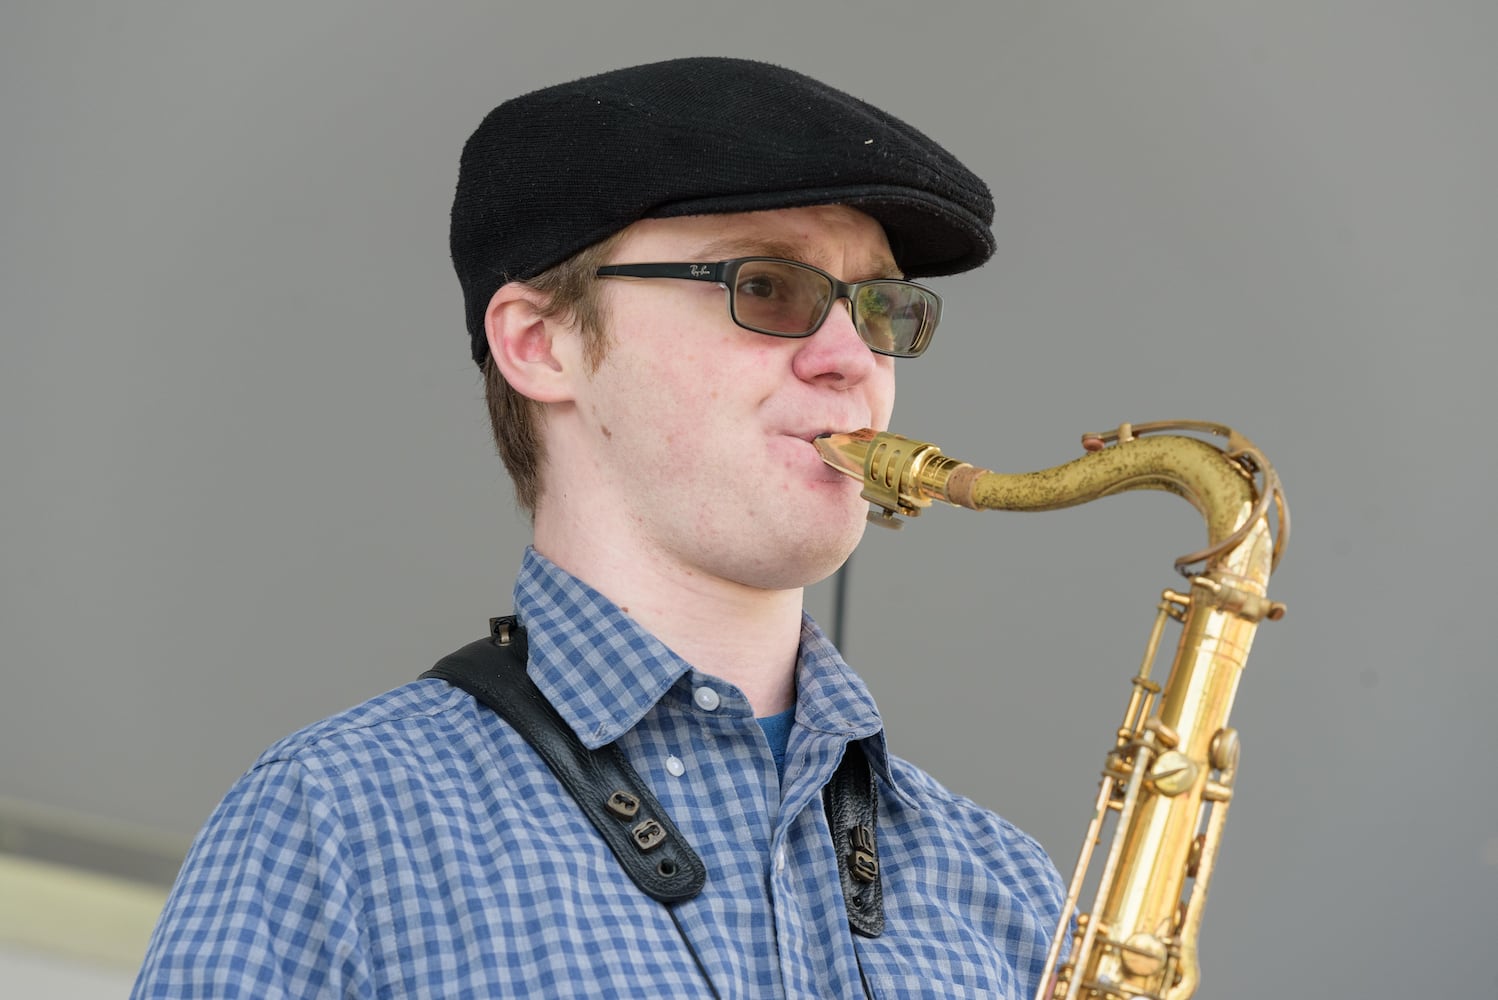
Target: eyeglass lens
784,297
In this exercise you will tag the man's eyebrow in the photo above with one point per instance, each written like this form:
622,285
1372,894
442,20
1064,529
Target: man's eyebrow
875,266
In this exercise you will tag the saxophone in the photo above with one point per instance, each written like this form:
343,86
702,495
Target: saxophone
1168,779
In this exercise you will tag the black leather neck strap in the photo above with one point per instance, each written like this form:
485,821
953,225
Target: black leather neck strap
609,791
622,808
852,802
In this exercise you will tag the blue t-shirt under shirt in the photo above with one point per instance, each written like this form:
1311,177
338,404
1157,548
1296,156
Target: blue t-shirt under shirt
777,729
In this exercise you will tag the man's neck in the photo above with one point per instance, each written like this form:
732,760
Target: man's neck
747,636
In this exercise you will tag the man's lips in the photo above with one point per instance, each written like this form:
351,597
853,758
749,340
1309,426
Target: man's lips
823,430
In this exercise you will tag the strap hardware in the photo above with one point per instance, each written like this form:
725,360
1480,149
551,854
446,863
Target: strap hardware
864,861
648,835
852,802
622,804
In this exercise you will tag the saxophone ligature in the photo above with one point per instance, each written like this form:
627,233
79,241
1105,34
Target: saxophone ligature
1168,778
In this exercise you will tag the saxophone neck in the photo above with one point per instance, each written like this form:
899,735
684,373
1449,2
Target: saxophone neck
1233,488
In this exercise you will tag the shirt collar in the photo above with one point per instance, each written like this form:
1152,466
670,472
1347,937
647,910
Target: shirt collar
832,699
603,672
597,667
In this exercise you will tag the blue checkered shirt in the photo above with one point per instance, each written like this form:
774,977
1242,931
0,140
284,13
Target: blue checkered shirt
415,846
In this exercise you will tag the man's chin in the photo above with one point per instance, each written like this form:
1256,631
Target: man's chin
826,555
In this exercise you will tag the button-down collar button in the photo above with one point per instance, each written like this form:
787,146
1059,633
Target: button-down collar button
675,767
706,698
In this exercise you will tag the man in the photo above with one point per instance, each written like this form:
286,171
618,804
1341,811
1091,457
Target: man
677,276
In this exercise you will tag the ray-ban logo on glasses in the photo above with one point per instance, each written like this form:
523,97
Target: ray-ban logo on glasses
701,270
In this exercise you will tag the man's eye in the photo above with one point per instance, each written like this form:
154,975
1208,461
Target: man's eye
760,286
872,303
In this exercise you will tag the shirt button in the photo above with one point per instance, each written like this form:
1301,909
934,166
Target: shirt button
675,766
706,698
780,859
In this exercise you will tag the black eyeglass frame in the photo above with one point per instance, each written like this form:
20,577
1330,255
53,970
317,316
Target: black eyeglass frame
725,273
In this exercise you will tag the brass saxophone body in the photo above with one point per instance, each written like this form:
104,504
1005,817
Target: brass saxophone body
1168,778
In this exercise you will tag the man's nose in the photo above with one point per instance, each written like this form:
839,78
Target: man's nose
835,353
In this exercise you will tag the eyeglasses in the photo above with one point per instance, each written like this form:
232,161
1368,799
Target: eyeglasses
785,298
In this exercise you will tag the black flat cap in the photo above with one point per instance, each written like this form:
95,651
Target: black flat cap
554,171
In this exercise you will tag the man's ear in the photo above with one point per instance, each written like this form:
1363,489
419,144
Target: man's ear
537,354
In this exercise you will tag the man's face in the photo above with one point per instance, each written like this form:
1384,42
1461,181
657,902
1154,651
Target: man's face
698,432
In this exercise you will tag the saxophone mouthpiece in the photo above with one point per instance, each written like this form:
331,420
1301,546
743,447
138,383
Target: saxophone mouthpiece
847,453
899,476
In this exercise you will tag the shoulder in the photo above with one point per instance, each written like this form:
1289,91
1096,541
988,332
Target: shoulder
927,792
946,823
961,881
382,771
281,882
350,782
411,718
321,777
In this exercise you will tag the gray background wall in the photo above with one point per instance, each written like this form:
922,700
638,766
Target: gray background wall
246,478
